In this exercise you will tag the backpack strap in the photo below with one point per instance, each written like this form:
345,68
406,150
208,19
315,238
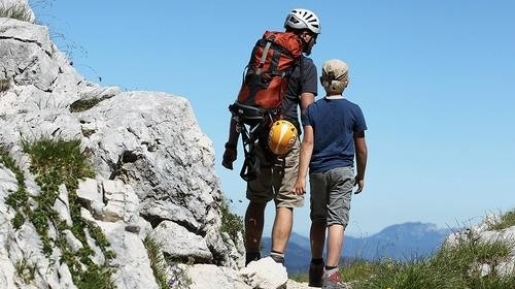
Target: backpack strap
264,56
251,164
250,122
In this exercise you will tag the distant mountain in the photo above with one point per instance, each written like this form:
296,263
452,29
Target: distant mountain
400,242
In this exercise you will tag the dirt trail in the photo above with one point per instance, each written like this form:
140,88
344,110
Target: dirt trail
296,285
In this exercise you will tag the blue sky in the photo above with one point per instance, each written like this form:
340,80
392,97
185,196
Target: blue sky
433,78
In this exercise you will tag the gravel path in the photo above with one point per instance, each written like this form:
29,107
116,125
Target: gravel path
296,285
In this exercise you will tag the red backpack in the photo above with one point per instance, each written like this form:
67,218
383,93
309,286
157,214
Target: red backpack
266,76
271,63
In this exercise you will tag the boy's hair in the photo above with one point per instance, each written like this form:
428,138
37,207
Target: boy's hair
335,76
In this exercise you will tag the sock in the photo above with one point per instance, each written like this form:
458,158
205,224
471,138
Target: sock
329,270
252,256
317,261
277,256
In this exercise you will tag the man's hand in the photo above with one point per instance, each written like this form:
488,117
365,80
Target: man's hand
230,155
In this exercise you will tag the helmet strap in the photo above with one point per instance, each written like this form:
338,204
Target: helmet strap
309,45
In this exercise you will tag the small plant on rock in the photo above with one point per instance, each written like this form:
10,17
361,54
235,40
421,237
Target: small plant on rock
232,224
5,84
17,12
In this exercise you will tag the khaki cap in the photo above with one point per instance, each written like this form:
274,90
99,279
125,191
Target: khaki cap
335,69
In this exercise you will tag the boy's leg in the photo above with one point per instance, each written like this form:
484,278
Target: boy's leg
338,206
316,266
318,212
317,239
334,245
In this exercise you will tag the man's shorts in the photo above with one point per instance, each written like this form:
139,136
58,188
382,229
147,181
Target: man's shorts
331,194
276,181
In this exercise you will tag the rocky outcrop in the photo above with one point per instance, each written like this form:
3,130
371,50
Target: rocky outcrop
487,232
154,174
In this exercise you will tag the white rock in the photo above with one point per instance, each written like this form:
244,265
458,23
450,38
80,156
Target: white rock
264,274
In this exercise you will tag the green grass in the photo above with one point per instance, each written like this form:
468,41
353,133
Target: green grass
451,267
156,262
507,220
26,270
56,162
18,199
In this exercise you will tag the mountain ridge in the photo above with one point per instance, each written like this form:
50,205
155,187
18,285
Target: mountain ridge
400,242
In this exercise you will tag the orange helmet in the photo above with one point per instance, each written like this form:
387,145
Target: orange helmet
283,135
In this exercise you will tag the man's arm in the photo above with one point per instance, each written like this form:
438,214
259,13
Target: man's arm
361,159
233,133
231,150
306,98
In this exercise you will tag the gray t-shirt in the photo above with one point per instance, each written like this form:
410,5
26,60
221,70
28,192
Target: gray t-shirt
305,80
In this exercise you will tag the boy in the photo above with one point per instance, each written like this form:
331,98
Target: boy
334,134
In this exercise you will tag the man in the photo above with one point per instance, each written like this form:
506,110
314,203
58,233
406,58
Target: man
274,182
334,133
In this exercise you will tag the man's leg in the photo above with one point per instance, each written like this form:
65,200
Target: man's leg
254,223
284,178
281,232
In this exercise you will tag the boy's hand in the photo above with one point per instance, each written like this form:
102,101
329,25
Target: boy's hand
300,187
360,182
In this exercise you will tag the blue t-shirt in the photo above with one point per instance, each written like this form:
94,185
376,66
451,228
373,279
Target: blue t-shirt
334,122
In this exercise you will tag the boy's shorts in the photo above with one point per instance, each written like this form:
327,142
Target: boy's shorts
276,182
331,194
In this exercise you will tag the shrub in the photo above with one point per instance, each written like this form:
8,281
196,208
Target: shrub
231,223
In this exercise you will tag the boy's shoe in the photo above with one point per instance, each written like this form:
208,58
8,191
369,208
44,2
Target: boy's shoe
333,281
315,274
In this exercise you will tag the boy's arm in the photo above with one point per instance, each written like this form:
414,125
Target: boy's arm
306,150
361,159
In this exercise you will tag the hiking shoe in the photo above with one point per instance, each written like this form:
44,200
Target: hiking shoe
333,281
252,256
315,274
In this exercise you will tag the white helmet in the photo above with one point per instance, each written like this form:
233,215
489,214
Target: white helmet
302,19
